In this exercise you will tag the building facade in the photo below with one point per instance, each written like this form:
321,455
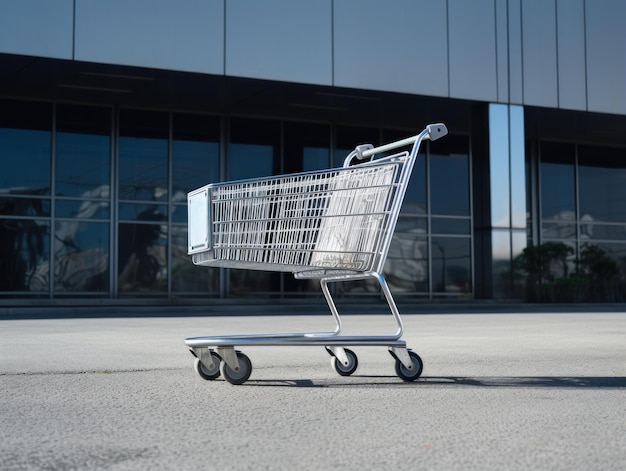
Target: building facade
110,112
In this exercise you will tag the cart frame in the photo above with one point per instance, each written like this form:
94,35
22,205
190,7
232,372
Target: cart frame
304,245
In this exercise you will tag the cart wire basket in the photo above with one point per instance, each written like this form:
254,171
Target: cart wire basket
331,225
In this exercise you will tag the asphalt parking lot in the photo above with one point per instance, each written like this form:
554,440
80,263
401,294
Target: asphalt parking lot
501,390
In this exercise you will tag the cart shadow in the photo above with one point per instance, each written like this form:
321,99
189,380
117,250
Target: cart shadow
361,381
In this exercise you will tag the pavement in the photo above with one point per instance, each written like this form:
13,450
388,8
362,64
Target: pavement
511,389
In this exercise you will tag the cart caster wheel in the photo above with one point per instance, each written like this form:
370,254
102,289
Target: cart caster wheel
208,373
345,370
412,374
242,374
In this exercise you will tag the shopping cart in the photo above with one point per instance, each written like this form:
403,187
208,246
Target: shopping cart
332,225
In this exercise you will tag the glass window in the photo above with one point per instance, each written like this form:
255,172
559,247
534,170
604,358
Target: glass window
143,212
602,190
415,197
83,149
81,256
451,270
253,151
449,176
25,150
142,257
195,163
187,277
195,153
19,206
24,255
307,147
82,209
350,137
557,181
143,148
450,226
406,268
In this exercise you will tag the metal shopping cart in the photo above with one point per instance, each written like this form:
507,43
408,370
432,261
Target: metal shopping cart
332,225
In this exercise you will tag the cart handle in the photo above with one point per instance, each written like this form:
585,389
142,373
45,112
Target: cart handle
432,132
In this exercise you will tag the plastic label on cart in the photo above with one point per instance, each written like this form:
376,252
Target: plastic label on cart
198,217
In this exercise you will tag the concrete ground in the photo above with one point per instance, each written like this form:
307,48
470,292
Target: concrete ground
500,390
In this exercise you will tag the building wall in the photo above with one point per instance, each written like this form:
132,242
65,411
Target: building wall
551,53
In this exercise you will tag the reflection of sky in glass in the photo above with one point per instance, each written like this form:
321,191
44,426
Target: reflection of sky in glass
449,187
315,158
507,171
518,167
142,167
340,155
194,164
25,159
557,189
250,161
82,163
499,165
415,198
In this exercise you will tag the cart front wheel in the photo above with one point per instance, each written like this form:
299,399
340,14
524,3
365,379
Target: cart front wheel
345,369
208,373
413,373
240,375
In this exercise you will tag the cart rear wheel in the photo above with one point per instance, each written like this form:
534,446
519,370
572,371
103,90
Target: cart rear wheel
208,373
412,374
242,373
345,369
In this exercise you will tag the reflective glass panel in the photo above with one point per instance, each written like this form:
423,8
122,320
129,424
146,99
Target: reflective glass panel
179,213
253,151
406,268
501,263
557,181
602,190
83,209
195,153
307,147
143,147
142,257
17,206
602,231
25,149
349,137
187,277
415,197
24,255
450,226
558,230
451,269
143,212
518,167
449,176
83,153
81,256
